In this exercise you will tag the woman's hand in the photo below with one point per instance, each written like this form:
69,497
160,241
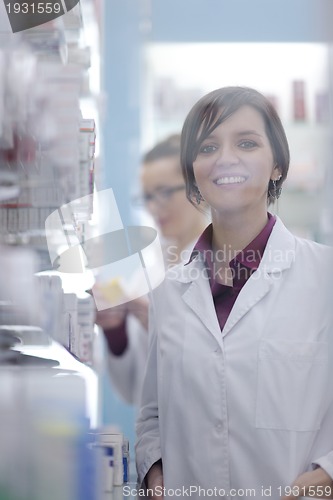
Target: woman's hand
314,484
154,480
111,318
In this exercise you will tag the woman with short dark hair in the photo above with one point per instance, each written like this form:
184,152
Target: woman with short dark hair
237,399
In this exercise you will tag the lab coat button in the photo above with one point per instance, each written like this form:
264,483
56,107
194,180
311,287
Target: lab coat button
219,427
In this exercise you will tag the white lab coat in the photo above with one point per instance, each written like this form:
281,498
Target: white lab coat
127,371
251,407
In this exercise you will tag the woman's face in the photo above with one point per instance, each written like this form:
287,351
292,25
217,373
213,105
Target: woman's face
235,163
172,212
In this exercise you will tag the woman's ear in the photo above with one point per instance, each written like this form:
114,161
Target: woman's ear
276,174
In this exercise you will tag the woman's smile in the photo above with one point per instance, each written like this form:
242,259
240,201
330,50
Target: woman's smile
229,180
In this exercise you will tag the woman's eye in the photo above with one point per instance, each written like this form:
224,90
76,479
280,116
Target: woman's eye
247,144
207,149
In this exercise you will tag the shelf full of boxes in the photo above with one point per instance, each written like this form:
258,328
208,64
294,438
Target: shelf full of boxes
48,390
47,150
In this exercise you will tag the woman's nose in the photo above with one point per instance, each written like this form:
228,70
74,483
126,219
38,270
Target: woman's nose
154,208
227,155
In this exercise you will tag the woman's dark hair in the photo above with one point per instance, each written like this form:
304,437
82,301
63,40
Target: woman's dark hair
168,147
213,109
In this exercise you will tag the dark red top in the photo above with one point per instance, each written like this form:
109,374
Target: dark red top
117,339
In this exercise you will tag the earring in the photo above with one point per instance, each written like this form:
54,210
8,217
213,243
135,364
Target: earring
198,196
275,191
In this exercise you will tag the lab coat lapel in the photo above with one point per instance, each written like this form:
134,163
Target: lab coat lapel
252,292
198,297
278,256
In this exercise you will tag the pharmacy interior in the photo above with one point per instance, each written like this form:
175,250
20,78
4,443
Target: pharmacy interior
82,97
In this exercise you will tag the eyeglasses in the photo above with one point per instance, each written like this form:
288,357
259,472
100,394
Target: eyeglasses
160,196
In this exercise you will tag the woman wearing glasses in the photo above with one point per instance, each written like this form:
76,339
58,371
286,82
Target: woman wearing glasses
164,196
237,399
179,224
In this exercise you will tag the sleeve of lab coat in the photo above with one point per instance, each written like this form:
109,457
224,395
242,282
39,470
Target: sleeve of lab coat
127,371
148,449
326,463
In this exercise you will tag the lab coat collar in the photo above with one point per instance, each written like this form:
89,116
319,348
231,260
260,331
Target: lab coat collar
280,249
278,256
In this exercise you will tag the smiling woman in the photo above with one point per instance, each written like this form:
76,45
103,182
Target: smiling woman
226,123
239,356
